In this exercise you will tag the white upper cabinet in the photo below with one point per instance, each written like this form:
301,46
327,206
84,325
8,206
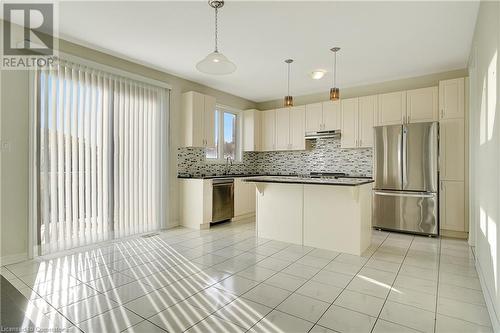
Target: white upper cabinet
297,128
323,116
349,137
268,130
367,111
451,99
331,115
209,121
391,108
314,117
290,128
198,119
282,128
251,130
422,105
452,149
358,115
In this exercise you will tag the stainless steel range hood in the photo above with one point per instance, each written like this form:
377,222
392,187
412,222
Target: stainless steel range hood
322,134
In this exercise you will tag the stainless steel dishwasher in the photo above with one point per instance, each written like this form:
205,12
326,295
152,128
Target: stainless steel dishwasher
222,199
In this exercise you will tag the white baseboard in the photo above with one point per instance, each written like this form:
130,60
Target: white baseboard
490,305
13,259
243,217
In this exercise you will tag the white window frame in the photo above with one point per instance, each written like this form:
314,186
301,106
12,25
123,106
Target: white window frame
239,127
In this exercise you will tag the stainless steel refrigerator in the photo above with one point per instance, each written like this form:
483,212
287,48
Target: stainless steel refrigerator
405,195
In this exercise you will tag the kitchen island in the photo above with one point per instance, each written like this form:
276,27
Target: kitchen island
332,214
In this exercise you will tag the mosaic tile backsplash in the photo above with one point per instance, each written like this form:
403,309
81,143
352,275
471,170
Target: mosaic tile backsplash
321,155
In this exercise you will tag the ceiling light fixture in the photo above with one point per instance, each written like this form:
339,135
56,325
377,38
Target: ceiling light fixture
318,74
288,101
216,63
334,92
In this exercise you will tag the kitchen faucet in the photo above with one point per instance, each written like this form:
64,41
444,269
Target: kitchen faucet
229,164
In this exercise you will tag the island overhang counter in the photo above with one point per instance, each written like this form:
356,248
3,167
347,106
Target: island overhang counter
331,214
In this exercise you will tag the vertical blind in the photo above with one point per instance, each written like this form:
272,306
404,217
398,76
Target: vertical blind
101,156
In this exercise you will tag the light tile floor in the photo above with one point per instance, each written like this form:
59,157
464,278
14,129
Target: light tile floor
228,280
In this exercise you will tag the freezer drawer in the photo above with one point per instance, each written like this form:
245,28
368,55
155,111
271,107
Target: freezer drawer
406,211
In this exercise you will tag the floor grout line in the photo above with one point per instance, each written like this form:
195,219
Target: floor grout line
345,287
437,287
149,252
394,281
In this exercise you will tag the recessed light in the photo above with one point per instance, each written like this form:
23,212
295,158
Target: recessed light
318,74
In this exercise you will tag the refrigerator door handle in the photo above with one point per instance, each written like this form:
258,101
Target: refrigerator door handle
406,194
404,158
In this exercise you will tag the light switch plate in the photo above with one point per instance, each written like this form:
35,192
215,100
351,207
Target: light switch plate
5,146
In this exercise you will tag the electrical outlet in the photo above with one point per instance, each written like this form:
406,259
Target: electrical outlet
5,146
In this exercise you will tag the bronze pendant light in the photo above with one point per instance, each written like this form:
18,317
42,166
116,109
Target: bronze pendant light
288,100
334,92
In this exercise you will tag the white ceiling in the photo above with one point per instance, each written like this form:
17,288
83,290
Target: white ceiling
380,41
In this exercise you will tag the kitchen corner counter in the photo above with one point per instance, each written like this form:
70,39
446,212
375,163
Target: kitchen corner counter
347,181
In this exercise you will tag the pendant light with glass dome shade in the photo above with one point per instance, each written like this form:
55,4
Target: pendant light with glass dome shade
334,92
288,100
216,63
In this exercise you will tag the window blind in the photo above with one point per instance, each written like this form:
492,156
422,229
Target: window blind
101,160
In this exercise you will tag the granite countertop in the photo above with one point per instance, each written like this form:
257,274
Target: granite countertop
224,176
344,181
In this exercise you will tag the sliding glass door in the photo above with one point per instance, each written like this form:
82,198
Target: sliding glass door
100,155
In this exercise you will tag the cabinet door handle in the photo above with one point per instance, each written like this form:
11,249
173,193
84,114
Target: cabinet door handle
407,119
442,113
360,142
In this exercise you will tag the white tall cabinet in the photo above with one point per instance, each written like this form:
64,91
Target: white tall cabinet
198,119
452,99
452,157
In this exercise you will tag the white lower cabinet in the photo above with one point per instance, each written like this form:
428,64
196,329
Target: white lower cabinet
195,203
244,198
452,205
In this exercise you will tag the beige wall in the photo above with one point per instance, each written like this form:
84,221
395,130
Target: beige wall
14,129
372,89
484,138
